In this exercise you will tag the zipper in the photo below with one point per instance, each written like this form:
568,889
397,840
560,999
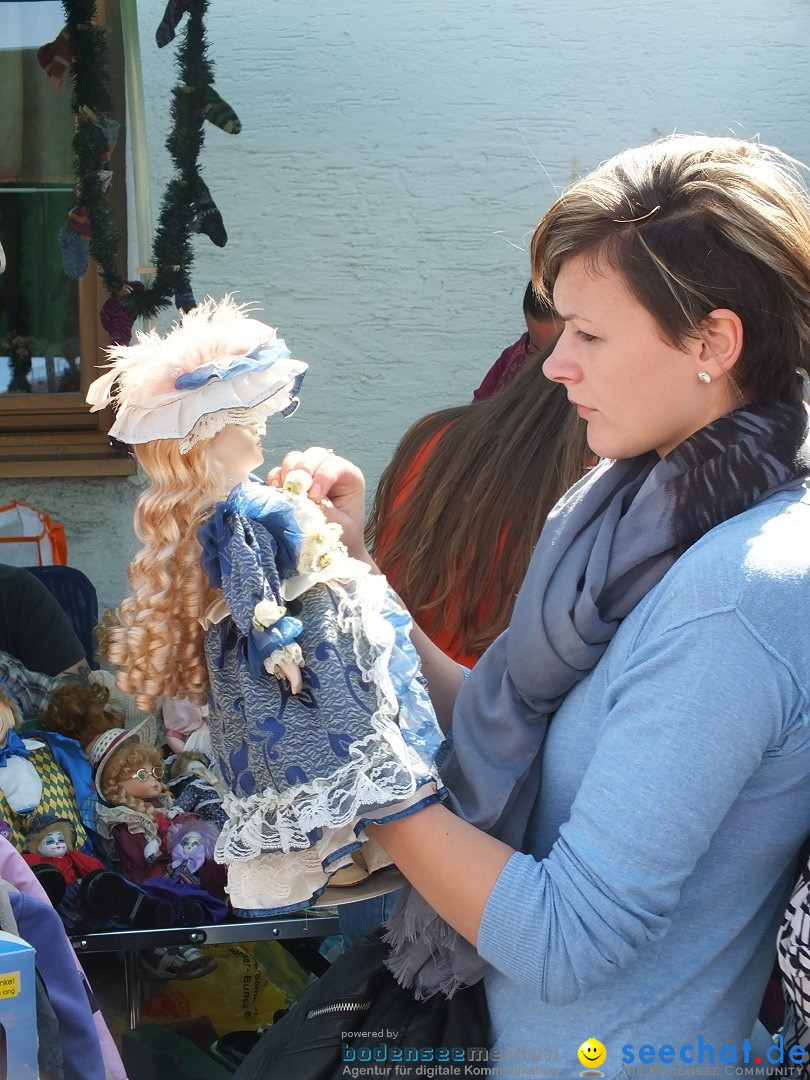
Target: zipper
334,1008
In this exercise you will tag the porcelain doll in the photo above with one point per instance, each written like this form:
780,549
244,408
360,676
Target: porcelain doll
136,811
195,788
190,844
31,781
243,595
85,892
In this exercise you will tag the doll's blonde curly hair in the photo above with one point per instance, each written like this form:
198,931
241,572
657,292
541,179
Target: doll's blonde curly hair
158,644
122,764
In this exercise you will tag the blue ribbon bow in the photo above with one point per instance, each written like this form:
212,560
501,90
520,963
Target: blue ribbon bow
262,357
14,747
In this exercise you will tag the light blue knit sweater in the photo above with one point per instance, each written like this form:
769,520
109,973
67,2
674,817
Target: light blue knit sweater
675,795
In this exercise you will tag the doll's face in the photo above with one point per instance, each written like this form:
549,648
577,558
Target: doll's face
53,844
238,449
144,782
190,842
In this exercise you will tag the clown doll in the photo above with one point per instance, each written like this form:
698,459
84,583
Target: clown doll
31,782
85,893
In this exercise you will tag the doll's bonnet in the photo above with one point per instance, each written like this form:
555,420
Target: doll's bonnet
102,748
216,366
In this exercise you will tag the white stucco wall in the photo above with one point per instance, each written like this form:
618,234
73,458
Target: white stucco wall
394,159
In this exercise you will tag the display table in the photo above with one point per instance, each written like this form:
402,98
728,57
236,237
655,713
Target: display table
311,925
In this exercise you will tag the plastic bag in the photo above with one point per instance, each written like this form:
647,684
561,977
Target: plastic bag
252,981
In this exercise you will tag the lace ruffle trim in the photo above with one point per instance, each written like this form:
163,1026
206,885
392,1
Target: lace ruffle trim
135,821
273,821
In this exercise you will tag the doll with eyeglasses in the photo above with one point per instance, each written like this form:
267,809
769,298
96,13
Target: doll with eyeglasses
137,811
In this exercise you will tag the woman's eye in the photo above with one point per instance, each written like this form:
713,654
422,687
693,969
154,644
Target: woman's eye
583,336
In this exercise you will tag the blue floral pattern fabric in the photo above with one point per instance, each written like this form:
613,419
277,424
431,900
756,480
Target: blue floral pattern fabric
356,744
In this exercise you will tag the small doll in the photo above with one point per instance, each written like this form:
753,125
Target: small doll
186,726
320,720
81,888
195,787
136,811
30,779
191,844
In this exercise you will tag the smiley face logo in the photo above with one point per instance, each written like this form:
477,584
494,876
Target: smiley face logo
592,1054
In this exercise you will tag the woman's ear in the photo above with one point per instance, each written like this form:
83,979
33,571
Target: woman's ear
721,337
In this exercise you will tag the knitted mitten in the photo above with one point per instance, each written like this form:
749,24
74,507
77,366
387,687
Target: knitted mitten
117,319
109,129
175,10
215,109
184,298
208,219
220,113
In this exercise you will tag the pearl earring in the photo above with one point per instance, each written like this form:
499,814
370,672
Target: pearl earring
704,376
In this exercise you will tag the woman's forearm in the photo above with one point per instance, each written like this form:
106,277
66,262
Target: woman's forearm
453,865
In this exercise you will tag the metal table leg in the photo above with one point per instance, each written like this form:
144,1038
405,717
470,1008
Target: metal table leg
132,987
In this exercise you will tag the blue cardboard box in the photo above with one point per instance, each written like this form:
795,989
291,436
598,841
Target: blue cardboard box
18,1009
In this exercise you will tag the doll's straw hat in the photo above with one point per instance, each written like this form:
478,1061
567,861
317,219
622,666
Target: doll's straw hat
101,749
216,366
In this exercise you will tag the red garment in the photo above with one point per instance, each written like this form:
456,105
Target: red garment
505,368
73,867
129,847
434,622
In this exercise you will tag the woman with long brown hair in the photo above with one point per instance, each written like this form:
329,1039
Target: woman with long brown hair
458,569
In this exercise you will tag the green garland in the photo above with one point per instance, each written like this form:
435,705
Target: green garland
172,253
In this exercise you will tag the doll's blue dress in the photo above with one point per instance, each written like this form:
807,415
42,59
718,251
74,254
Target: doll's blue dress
357,744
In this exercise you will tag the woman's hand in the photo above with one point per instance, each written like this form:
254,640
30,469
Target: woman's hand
339,488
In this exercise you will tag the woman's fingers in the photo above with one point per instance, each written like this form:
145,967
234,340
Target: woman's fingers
334,477
337,484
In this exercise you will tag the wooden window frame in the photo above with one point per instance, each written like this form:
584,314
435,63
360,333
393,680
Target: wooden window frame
55,434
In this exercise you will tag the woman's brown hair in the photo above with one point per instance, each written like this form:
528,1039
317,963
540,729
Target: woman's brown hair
466,528
695,223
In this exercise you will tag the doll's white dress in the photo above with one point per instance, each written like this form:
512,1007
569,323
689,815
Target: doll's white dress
306,772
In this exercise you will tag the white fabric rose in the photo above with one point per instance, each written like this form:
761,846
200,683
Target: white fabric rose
267,613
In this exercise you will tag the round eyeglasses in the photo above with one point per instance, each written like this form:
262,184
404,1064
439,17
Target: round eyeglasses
143,775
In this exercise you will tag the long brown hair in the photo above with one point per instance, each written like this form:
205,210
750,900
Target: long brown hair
466,529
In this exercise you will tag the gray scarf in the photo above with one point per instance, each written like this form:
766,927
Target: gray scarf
609,540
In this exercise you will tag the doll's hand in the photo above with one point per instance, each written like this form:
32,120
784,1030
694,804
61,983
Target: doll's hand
338,487
151,850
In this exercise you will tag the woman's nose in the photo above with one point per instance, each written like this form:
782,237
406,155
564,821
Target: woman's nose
559,366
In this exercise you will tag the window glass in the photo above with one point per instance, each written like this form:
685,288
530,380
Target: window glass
39,309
